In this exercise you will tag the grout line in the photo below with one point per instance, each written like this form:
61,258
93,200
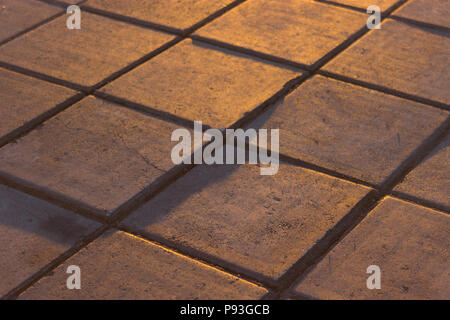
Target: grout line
421,24
385,90
33,27
342,5
210,260
17,291
251,52
37,121
395,17
44,77
149,111
37,25
415,158
134,21
62,3
420,202
53,197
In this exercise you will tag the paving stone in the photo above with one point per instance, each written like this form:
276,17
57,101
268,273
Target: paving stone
297,30
94,152
33,232
364,4
410,245
24,98
18,15
87,56
200,82
352,130
431,179
261,223
434,12
120,266
173,13
400,56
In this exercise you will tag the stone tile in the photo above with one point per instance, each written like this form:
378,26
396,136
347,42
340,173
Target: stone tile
18,15
120,266
352,130
24,98
172,13
87,56
200,82
410,245
94,152
431,179
434,12
33,232
297,30
400,56
364,4
261,223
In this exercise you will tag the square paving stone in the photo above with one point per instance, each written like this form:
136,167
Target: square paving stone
352,130
400,56
18,15
435,12
94,152
431,179
201,82
410,245
296,30
24,98
121,266
173,13
364,4
33,232
101,47
260,223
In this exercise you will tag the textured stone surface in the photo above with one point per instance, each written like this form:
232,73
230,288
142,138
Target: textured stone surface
402,57
95,152
298,30
87,56
120,266
199,82
18,15
364,4
431,179
33,232
435,12
173,13
410,245
23,98
262,223
352,130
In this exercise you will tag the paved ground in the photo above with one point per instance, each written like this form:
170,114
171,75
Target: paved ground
86,177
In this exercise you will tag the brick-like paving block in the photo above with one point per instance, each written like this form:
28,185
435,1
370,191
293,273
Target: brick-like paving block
87,56
121,266
18,15
400,56
410,245
23,99
356,131
33,232
200,82
364,4
431,179
260,223
297,30
94,152
172,13
434,12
